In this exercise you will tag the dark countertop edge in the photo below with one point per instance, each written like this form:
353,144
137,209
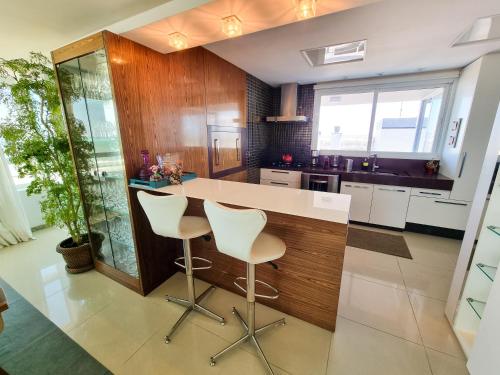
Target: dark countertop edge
423,181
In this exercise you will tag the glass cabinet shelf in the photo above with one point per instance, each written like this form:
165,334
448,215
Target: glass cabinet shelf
489,271
477,306
494,229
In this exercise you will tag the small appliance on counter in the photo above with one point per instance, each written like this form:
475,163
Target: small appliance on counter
335,161
287,158
314,158
348,165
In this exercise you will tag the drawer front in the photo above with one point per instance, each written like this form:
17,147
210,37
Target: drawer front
285,184
280,175
437,212
430,193
361,200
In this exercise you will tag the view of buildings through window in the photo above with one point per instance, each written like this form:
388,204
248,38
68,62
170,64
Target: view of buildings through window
383,121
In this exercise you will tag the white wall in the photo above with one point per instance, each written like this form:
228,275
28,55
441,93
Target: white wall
476,102
31,205
461,108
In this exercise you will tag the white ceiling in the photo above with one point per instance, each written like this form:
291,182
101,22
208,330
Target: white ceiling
403,36
202,24
44,25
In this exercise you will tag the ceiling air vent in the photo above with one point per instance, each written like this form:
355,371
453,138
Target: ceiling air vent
336,54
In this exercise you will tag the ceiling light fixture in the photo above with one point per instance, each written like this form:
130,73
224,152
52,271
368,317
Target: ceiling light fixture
231,26
305,9
177,40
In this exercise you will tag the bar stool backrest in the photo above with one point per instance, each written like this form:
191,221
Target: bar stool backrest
164,212
235,230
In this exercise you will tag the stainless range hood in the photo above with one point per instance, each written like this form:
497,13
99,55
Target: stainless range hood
288,105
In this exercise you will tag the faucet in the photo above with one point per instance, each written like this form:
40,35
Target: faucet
374,163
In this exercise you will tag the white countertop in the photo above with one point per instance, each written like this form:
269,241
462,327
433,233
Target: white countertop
305,203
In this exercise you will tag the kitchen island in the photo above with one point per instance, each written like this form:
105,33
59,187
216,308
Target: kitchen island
312,224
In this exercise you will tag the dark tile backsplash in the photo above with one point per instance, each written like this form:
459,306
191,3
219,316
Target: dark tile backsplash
260,103
268,141
293,137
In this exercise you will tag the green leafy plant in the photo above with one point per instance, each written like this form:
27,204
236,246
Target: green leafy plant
36,141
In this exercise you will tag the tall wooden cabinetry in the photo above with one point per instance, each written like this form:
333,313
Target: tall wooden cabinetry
121,97
226,98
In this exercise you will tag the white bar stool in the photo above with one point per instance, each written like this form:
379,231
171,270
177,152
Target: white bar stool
165,214
238,233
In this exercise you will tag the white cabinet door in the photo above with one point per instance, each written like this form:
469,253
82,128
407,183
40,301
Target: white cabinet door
280,175
437,212
389,205
361,199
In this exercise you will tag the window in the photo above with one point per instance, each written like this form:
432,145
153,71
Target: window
402,120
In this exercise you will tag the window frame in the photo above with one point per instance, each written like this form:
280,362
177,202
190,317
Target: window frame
447,84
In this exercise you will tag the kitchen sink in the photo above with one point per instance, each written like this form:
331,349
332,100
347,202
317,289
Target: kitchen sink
377,173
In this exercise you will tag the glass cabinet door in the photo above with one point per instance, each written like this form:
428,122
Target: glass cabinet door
93,128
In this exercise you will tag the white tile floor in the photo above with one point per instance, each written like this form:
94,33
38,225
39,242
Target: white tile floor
391,317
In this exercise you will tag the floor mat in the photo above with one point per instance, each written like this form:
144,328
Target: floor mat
32,344
380,242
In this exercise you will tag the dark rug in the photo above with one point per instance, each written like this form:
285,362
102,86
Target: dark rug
380,242
32,344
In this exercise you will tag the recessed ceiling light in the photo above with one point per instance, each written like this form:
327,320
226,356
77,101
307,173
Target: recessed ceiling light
177,40
482,30
336,54
305,9
231,26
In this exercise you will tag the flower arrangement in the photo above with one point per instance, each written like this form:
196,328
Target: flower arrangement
172,172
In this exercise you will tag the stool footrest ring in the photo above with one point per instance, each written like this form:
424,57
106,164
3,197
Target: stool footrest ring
178,261
271,296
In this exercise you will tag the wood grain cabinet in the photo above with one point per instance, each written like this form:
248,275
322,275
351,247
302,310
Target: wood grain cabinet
226,95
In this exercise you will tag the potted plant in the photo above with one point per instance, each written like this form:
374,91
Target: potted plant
36,142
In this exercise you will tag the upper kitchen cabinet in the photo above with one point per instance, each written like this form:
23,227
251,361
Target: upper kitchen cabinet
226,94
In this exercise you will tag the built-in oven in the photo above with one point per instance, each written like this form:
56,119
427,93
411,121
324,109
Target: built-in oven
321,182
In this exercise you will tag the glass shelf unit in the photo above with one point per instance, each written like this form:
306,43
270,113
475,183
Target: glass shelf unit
489,271
477,306
97,151
494,229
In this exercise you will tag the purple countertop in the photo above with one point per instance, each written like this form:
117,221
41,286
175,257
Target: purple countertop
411,178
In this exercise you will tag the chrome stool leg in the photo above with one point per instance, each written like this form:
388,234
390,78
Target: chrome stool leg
191,303
249,326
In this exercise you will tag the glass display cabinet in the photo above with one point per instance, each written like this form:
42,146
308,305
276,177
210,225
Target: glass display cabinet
87,96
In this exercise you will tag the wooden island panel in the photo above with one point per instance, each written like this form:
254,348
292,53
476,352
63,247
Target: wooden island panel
308,275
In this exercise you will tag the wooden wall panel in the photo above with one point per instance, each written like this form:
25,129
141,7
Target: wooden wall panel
238,177
160,101
226,92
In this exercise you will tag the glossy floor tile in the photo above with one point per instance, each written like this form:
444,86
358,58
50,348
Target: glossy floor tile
392,319
434,327
372,266
444,364
378,306
358,349
426,280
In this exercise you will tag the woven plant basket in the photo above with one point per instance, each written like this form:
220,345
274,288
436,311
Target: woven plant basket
78,258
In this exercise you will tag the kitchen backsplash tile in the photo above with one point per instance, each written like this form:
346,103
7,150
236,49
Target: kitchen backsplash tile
260,103
293,137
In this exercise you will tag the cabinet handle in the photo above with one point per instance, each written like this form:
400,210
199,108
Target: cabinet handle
361,187
429,193
279,183
452,203
395,190
282,172
217,151
462,165
237,149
